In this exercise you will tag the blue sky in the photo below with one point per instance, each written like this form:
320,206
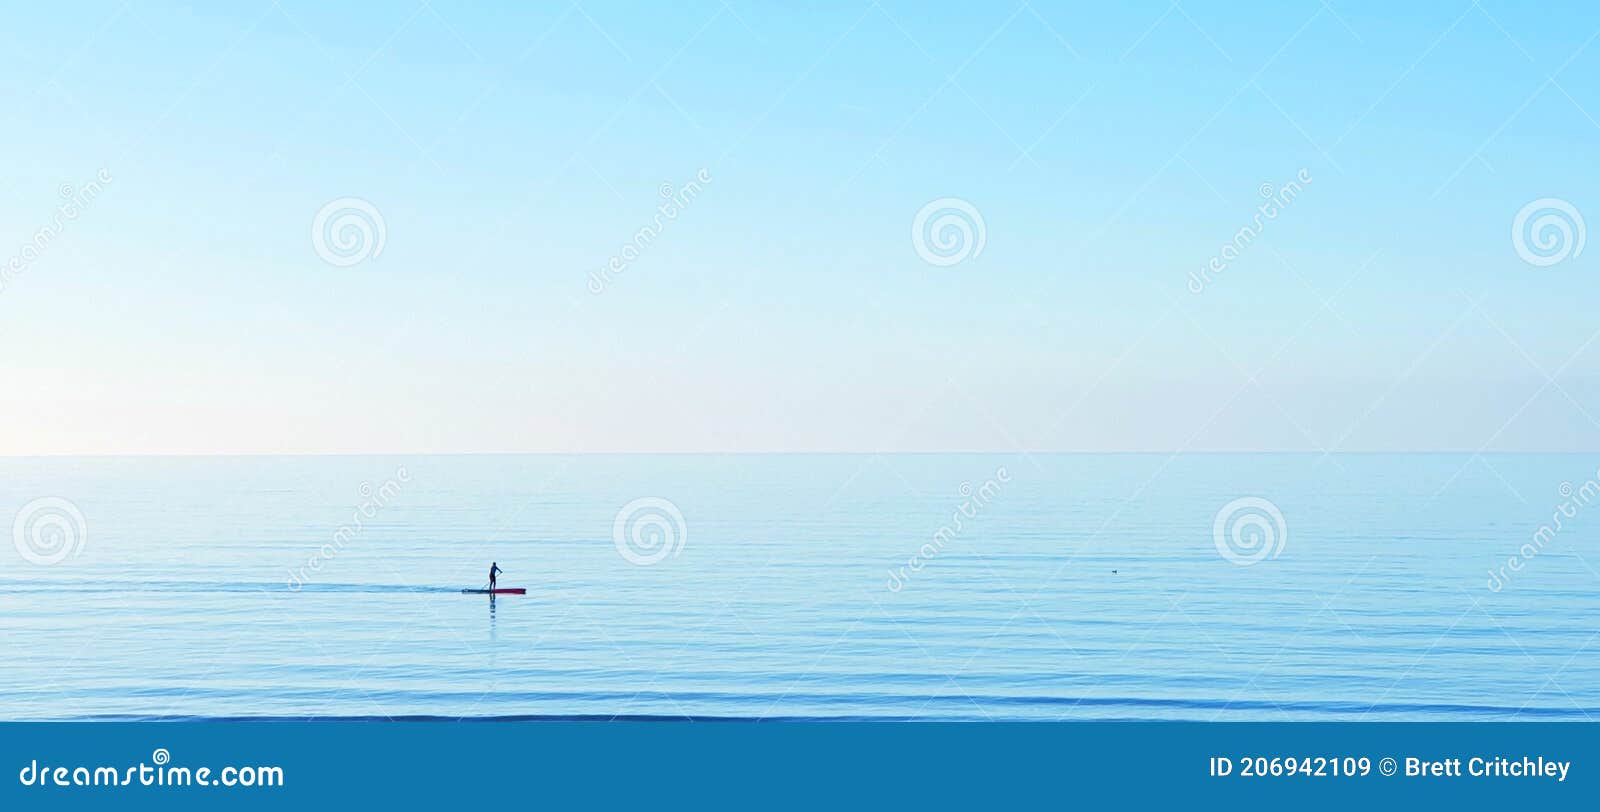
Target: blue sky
511,152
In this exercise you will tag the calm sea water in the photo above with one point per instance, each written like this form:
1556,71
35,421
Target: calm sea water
1075,587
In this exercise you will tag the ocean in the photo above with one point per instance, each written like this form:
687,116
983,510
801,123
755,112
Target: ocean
794,586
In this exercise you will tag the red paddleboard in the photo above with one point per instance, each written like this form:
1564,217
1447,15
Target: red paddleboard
494,591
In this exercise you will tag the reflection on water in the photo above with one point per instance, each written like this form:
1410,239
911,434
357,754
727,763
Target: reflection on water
778,602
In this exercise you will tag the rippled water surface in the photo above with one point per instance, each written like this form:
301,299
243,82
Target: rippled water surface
1072,587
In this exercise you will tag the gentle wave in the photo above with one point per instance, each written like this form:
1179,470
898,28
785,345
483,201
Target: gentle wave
202,587
1089,587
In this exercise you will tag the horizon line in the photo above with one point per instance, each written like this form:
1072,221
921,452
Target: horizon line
794,453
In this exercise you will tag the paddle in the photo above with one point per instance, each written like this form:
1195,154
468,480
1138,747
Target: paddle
486,583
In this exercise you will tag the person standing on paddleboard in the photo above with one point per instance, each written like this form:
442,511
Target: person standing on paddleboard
494,569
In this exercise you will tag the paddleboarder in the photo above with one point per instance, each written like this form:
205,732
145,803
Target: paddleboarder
494,569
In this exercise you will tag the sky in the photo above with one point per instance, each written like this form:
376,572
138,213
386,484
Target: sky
1084,170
